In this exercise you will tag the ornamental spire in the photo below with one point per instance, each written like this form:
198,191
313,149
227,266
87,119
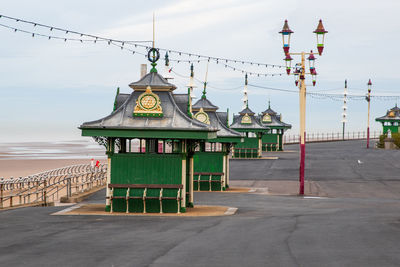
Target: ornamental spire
205,84
245,97
115,101
167,70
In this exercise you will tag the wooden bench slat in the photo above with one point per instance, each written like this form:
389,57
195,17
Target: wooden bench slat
208,173
151,186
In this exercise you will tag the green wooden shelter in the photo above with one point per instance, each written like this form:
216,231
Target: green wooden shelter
252,131
150,140
211,160
391,121
272,139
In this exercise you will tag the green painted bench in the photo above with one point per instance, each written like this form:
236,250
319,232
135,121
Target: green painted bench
246,153
209,180
144,196
270,146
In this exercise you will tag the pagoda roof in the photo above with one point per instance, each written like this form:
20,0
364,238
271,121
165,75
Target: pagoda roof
121,98
204,103
215,121
275,119
223,116
253,125
155,81
174,122
275,122
182,101
391,115
246,111
269,111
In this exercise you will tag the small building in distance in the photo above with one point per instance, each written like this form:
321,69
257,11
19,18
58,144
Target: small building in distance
252,131
391,121
272,140
211,160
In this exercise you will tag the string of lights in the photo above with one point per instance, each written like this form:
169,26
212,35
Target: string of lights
94,38
330,96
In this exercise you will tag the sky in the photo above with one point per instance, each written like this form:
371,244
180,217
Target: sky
49,87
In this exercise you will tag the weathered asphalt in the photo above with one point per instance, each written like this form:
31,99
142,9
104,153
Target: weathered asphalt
266,231
330,161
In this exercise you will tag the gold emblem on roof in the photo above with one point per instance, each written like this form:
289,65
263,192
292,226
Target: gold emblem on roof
246,119
148,104
202,116
266,118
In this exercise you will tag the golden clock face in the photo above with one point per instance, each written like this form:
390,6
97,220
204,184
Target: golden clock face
391,114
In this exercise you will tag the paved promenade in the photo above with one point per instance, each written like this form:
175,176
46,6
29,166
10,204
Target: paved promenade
347,228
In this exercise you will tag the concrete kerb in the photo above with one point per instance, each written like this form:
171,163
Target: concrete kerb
99,210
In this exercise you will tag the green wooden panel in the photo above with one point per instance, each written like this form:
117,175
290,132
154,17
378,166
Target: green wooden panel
393,129
132,168
208,162
248,142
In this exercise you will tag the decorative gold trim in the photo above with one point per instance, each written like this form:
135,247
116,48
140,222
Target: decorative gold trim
246,119
148,104
266,118
202,116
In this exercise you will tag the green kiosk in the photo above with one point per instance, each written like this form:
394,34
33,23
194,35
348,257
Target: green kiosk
150,140
211,160
391,121
252,131
272,140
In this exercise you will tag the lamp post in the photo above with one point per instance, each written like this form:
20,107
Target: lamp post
300,72
344,114
368,98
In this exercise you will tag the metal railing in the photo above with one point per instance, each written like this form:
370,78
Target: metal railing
50,186
328,137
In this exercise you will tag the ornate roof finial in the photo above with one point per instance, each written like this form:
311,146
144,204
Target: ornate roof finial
245,98
269,103
205,84
115,101
166,59
153,55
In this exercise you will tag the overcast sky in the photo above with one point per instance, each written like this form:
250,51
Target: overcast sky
49,87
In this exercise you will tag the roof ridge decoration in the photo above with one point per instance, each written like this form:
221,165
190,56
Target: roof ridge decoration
202,116
148,104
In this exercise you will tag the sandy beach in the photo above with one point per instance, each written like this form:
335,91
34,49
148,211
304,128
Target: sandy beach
22,159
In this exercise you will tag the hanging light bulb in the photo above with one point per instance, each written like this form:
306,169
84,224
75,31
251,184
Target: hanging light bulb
288,61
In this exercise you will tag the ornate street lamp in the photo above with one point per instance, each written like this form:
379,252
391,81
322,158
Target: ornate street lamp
368,98
286,32
320,32
300,74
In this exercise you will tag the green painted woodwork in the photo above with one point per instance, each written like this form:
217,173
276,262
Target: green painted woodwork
115,101
270,142
248,142
392,128
208,162
248,148
158,115
137,168
163,134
